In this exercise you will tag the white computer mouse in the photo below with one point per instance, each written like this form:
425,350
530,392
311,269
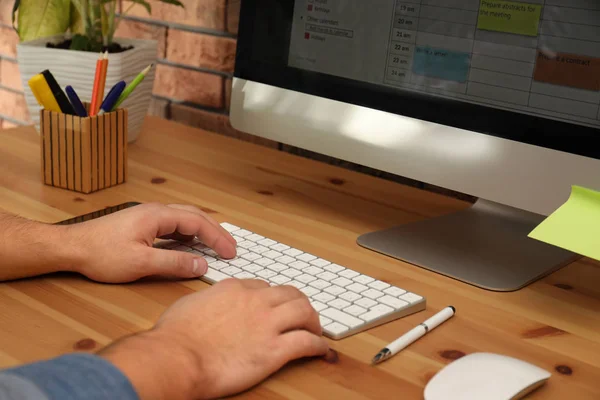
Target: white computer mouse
486,376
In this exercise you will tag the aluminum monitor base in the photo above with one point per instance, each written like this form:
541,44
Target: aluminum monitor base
485,245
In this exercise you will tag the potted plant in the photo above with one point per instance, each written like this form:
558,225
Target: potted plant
67,37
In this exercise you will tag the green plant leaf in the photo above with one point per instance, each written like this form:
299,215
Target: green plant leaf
14,12
77,24
145,4
80,42
42,18
174,2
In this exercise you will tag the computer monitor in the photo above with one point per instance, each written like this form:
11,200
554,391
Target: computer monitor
496,99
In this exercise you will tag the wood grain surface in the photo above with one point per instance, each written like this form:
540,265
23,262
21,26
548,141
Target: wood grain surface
553,323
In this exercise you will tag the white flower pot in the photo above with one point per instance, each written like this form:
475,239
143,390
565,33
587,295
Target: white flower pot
77,68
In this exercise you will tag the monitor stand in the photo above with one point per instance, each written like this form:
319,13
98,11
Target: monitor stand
485,245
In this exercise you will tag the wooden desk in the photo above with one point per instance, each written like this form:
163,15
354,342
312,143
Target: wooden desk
554,323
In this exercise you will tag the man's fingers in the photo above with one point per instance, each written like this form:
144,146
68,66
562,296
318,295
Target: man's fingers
210,219
298,344
278,295
297,314
172,220
254,284
173,263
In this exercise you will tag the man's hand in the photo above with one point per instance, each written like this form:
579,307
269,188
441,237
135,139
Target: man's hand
220,341
118,247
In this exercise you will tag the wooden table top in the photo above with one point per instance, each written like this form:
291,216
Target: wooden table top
553,323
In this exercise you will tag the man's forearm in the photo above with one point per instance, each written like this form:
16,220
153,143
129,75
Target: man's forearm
29,248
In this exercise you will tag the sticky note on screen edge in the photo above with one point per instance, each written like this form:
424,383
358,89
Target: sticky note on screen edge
574,226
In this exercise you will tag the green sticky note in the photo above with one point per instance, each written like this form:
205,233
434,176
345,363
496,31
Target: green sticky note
509,17
575,226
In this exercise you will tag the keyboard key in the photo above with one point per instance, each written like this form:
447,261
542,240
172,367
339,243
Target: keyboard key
272,254
292,252
265,262
335,328
238,239
312,270
366,303
259,249
326,276
209,259
392,301
372,294
285,259
382,308
334,290
348,273
278,247
394,291
357,287
241,251
244,275
299,265
213,275
277,267
319,262
309,291
343,282
338,303
334,268
355,310
342,317
230,227
323,297
267,243
279,279
351,296
231,270
200,247
318,306
246,244
291,273
218,265
254,237
266,273
243,233
306,278
251,256
306,257
296,284
374,314
239,262
320,284
363,279
411,297
324,321
379,285
253,268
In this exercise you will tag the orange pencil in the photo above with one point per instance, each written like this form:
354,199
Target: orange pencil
99,84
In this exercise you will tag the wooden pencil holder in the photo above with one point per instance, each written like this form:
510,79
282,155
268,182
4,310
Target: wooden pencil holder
83,154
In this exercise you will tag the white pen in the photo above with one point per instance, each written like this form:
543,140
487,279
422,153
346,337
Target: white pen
414,334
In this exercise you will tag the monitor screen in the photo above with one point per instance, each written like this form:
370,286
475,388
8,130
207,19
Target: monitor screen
526,71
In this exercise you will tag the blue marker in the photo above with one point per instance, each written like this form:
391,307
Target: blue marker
77,104
112,97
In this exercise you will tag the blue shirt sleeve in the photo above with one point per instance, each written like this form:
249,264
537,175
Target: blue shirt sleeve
70,377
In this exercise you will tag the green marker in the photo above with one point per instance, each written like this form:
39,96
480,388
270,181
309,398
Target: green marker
138,79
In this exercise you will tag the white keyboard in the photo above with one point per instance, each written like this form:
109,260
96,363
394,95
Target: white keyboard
347,302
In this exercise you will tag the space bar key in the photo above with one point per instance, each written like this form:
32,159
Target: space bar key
342,317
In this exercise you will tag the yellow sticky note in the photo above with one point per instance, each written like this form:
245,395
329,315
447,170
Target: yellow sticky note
509,17
575,226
